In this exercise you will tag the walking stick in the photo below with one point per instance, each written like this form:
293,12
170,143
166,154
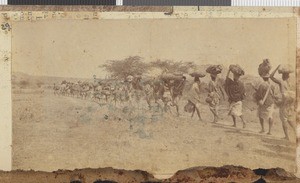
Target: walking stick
266,95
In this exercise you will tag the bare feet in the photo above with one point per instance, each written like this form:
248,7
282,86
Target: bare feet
244,125
269,133
234,125
262,131
215,120
286,138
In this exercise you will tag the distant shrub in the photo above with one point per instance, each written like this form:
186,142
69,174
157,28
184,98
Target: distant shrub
40,84
24,84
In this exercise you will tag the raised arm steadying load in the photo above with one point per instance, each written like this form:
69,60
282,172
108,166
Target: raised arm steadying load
227,76
227,81
273,78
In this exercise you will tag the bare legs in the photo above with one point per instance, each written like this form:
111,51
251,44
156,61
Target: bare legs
284,116
234,121
285,128
196,109
214,111
193,112
270,126
198,113
261,120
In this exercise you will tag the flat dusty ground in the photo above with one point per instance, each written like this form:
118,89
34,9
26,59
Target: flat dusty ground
58,132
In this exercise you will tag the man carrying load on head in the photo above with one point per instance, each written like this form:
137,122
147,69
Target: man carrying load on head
265,96
236,93
215,90
194,94
129,90
286,105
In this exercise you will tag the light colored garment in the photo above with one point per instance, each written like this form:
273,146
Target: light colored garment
265,112
214,89
214,108
167,95
286,108
285,86
215,99
236,108
194,94
287,114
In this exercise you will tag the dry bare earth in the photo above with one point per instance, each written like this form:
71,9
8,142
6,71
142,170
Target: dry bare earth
56,132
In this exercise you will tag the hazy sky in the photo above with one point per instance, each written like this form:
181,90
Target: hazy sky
75,48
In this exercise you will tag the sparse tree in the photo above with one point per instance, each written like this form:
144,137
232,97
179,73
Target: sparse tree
169,66
120,69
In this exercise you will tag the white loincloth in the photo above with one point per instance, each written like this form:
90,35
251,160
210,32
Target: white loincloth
235,109
265,112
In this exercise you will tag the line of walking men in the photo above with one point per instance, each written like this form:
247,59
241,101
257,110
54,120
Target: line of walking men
264,95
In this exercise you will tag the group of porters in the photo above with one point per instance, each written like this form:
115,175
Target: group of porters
264,95
168,90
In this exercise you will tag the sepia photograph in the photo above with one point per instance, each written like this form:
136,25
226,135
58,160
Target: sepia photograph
154,94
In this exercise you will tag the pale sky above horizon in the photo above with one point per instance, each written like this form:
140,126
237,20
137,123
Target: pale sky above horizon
75,48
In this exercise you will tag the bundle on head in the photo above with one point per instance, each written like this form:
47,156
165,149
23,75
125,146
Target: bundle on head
285,69
214,69
169,76
264,68
197,74
236,69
